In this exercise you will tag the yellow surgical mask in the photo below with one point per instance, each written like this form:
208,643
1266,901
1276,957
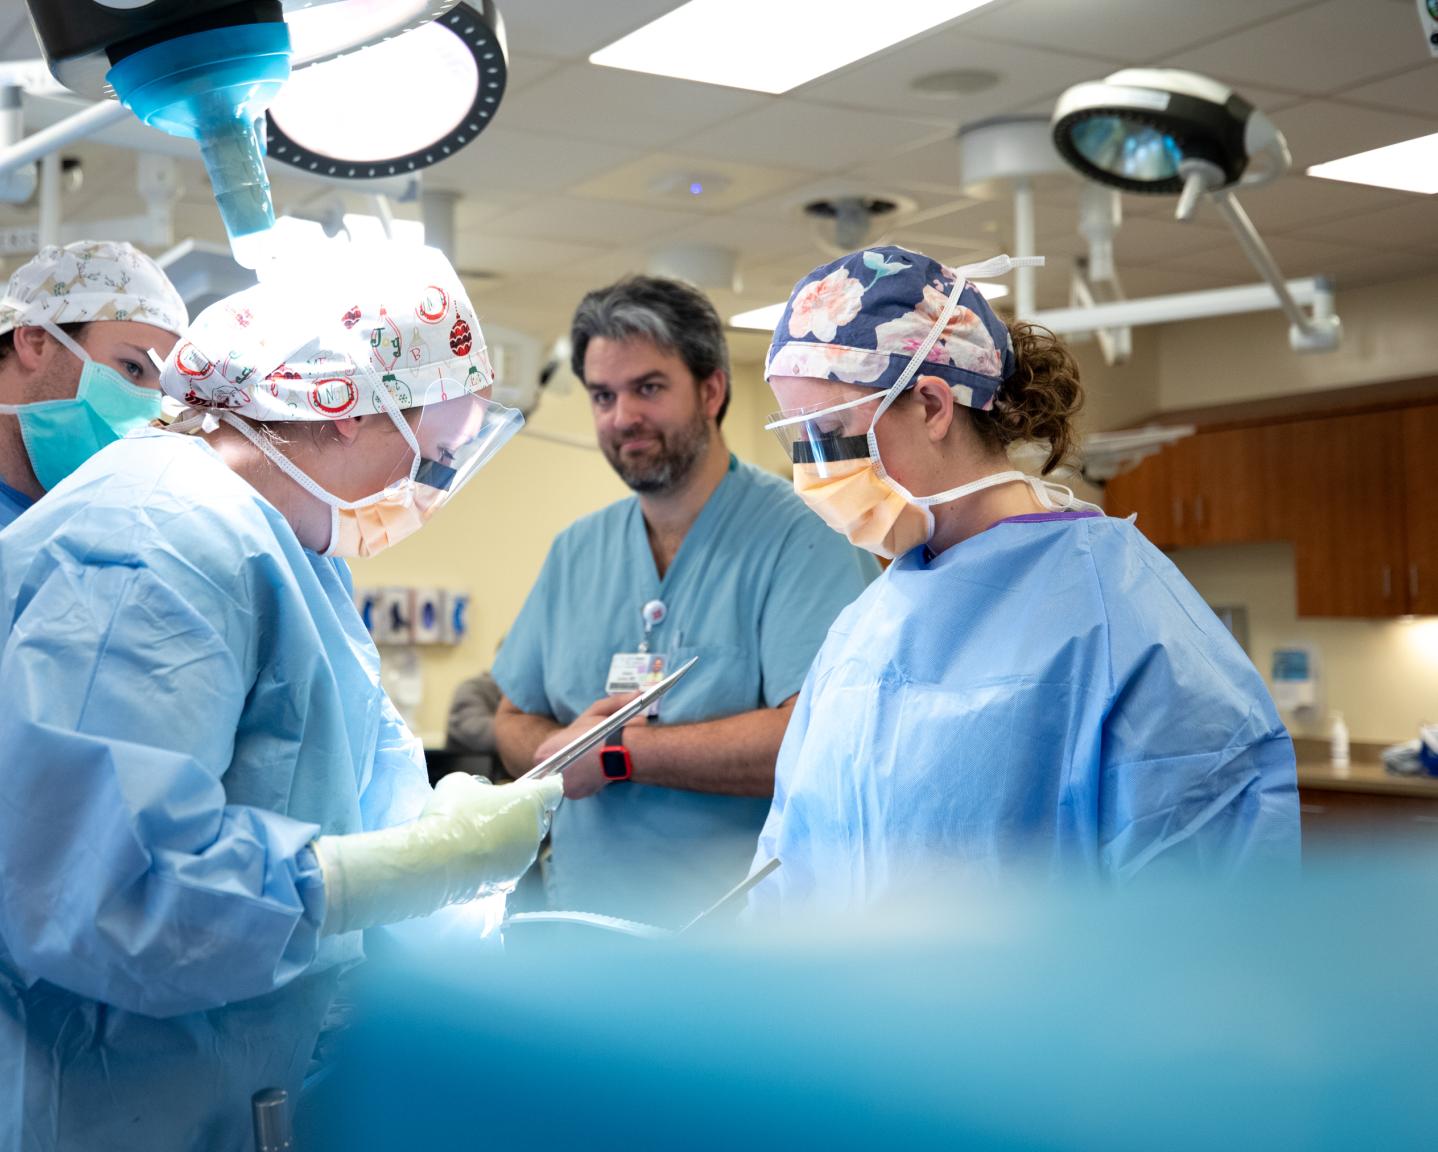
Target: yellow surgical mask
853,499
368,529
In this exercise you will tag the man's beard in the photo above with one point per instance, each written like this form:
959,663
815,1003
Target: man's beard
669,466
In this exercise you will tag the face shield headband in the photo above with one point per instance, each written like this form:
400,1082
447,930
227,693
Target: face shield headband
369,524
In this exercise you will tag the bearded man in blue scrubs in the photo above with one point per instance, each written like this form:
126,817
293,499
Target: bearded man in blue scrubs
711,558
77,325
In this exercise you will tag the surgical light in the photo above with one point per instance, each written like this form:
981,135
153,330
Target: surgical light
1408,166
766,47
1161,131
396,107
208,69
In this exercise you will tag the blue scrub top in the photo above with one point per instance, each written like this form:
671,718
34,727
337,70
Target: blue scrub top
1049,695
190,697
12,503
751,592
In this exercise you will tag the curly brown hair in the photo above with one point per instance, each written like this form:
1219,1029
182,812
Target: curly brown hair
1039,400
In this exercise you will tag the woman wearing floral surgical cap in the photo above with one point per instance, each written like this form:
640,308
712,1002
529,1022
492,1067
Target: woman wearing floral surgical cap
1030,685
207,794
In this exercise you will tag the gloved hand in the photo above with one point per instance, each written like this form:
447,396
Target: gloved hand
471,838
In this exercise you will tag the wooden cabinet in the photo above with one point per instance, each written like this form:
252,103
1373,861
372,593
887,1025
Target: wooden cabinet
1200,490
1144,492
1356,494
1340,501
1228,486
1420,489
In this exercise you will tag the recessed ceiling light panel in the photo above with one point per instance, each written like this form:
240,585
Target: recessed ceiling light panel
767,47
1409,166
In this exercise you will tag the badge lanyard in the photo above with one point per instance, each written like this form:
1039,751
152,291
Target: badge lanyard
653,614
633,671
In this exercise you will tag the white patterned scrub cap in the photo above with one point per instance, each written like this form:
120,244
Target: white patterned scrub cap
317,338
92,280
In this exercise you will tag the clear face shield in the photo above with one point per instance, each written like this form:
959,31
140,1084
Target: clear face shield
447,438
826,439
453,440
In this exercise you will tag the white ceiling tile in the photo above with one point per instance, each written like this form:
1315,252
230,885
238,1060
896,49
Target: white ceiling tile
575,28
884,83
595,270
1164,279
933,166
493,251
1402,228
1414,91
811,136
761,236
1120,30
606,104
642,180
1295,201
17,37
1296,257
1318,49
1377,267
589,221
504,159
525,71
1151,240
1321,130
768,281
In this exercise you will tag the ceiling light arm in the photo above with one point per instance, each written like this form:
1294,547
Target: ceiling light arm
1025,277
1183,306
386,215
84,123
1316,332
50,218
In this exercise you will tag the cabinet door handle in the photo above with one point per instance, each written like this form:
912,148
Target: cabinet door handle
1387,581
1177,512
1413,583
1198,511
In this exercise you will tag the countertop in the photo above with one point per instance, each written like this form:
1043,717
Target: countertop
1365,774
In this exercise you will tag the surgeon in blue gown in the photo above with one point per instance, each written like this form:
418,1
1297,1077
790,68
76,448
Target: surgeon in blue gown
205,793
1031,687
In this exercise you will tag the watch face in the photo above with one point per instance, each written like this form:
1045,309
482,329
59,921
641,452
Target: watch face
615,762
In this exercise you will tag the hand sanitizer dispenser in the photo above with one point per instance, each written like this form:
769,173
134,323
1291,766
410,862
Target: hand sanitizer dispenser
1295,681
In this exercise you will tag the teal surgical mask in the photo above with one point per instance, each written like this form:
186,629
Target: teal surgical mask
60,435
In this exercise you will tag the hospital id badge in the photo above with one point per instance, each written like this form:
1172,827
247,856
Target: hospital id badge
635,671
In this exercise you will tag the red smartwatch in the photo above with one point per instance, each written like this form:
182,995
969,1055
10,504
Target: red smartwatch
615,760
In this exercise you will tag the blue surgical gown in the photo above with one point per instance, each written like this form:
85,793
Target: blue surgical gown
190,698
751,593
1051,696
12,503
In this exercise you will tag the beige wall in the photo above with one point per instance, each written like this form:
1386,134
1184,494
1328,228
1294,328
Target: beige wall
1388,334
1383,675
493,538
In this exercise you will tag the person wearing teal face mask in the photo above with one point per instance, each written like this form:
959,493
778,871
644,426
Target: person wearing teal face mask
76,328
